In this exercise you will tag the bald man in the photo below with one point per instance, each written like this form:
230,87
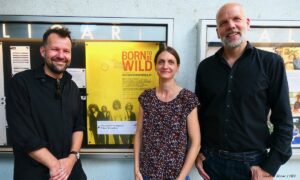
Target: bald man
238,87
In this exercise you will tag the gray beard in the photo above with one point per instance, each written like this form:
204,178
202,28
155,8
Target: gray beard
235,43
232,44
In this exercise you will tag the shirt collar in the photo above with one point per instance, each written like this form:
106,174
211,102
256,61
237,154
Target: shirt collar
40,74
249,48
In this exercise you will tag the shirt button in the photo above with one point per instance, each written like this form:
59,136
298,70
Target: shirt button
231,77
226,120
228,106
226,135
229,91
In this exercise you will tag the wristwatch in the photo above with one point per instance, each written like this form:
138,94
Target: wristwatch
77,154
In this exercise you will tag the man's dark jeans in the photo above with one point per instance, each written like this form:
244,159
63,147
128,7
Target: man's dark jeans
224,165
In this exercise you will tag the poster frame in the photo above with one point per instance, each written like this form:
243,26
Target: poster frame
168,23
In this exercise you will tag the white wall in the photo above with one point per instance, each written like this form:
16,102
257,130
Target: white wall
186,14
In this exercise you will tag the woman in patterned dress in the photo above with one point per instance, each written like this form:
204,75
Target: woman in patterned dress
167,139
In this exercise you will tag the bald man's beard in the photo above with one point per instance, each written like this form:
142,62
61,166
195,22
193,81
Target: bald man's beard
236,43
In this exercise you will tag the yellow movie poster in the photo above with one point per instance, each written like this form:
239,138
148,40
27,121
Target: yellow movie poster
116,74
291,58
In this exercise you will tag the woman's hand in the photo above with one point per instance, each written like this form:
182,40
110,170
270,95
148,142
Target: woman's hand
199,166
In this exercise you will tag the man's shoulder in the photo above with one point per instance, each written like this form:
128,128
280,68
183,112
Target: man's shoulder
270,59
21,79
73,84
212,57
23,75
267,54
209,61
67,78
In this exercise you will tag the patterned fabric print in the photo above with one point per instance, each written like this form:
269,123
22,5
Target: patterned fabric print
164,133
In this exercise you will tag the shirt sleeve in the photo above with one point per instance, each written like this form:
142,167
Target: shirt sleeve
198,89
22,128
197,82
191,101
281,117
141,99
78,117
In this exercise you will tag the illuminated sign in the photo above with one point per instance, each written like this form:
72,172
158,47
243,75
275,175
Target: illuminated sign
263,35
88,31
